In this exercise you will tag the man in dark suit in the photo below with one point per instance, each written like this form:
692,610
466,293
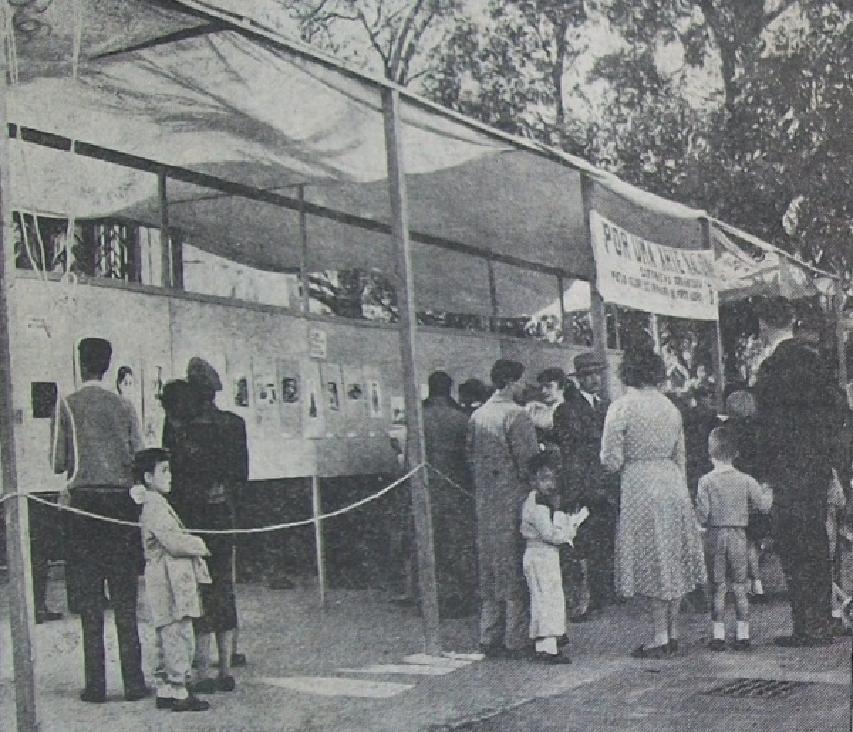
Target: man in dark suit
800,422
578,424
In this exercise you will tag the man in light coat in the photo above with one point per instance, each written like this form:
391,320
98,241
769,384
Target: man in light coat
501,441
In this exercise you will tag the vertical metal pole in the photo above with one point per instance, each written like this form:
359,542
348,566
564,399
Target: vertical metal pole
165,239
717,344
303,255
415,445
598,317
319,548
17,515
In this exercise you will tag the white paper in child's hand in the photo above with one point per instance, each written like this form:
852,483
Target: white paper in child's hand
581,516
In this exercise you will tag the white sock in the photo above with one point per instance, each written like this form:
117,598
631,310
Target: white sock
662,638
742,630
836,612
757,587
547,645
719,630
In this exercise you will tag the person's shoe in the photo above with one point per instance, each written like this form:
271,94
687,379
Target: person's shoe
238,660
281,583
136,694
672,646
790,641
554,659
741,645
582,618
163,702
563,641
717,644
225,683
818,641
204,686
46,616
654,653
93,697
759,599
190,704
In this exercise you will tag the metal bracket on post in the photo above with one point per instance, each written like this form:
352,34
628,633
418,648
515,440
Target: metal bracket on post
416,449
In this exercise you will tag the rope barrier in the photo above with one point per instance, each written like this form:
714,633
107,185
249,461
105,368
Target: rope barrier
254,530
467,493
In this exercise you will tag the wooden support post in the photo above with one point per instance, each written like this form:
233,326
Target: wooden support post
303,254
319,548
564,324
17,515
718,365
176,247
493,295
598,316
165,239
415,446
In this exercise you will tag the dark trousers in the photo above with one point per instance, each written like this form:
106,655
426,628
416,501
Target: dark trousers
45,542
123,591
803,547
100,552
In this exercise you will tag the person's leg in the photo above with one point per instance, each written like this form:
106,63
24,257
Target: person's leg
754,569
742,614
123,589
223,645
202,652
673,622
659,611
816,584
718,614
92,626
178,651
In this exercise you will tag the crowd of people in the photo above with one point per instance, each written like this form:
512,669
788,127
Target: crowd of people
578,504
548,504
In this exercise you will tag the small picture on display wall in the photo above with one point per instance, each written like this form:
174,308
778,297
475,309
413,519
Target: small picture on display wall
266,391
354,392
332,396
290,389
241,392
312,406
375,400
398,410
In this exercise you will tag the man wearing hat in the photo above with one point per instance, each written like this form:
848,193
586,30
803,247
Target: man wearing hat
501,440
94,435
578,424
800,419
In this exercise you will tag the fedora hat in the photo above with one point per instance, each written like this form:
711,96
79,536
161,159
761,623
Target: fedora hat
587,363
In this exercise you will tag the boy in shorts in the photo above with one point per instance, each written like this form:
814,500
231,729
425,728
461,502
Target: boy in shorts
723,503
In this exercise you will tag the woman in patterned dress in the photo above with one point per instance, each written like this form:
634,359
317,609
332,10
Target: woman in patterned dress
659,552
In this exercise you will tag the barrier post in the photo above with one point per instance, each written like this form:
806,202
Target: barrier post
303,250
317,509
415,445
17,516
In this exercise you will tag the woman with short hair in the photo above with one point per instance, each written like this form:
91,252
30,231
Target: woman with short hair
659,553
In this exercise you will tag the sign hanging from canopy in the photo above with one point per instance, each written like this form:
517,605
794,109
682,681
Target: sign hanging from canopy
640,274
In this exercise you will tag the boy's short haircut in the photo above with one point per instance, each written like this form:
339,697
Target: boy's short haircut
722,444
146,460
541,460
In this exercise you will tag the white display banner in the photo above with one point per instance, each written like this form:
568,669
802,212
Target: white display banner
640,274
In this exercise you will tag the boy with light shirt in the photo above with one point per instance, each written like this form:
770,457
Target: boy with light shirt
174,568
725,498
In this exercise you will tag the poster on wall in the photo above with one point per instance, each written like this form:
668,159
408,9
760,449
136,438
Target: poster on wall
313,406
355,400
236,384
316,343
289,397
398,410
152,378
332,384
643,275
375,400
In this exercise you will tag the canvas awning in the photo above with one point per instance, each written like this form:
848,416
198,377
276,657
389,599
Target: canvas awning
185,85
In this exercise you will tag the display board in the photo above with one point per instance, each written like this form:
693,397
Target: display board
328,411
